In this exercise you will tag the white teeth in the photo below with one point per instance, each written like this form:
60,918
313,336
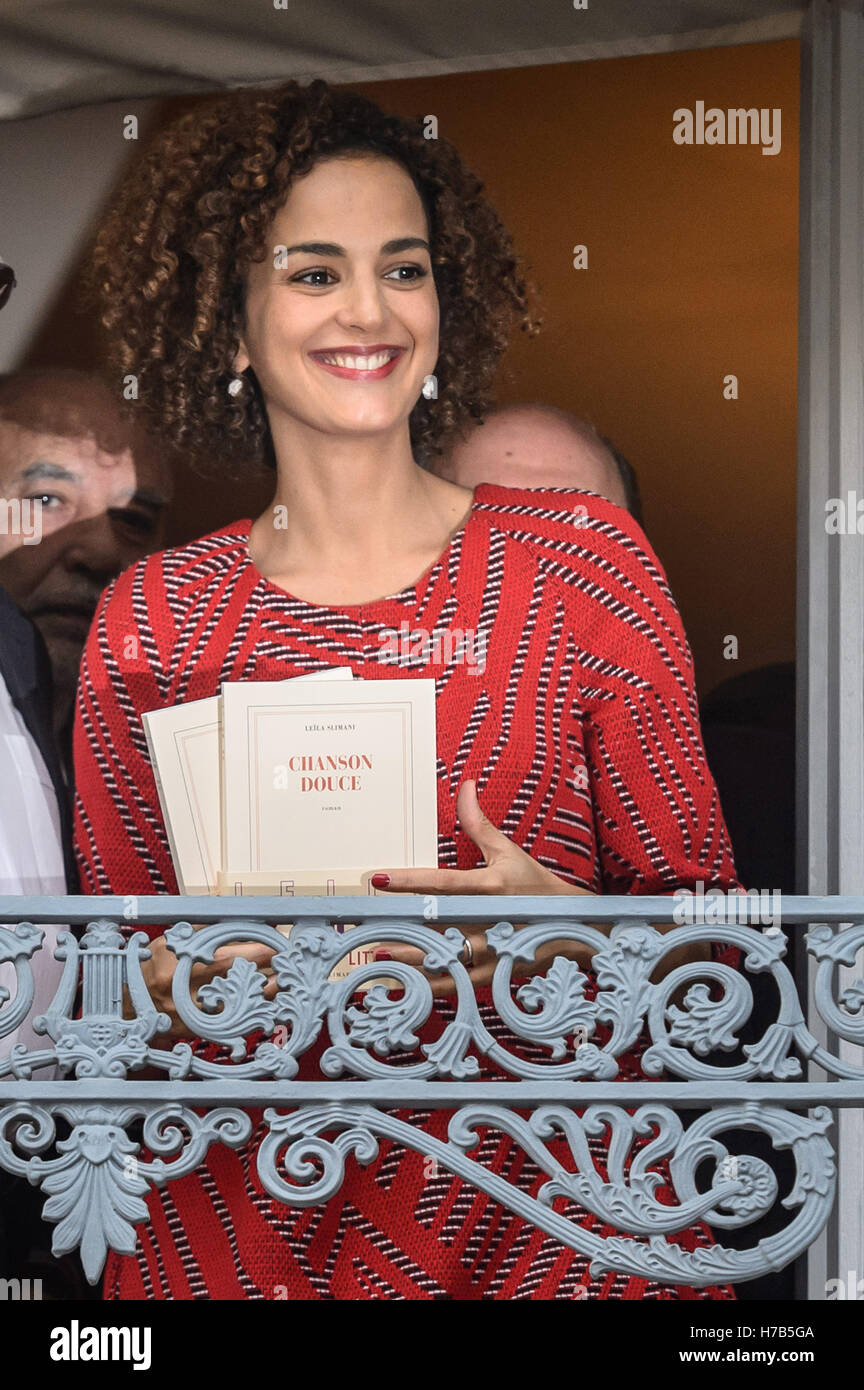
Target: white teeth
359,364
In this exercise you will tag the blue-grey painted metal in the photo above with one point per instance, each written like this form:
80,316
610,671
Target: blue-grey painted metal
829,798
582,1018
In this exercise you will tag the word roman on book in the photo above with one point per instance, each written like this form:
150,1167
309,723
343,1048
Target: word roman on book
298,787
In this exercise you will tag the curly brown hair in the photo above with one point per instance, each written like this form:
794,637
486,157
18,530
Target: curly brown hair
170,261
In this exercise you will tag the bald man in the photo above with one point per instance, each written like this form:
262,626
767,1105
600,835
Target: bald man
541,446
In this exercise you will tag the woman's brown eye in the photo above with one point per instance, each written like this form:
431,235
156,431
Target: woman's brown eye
306,277
406,273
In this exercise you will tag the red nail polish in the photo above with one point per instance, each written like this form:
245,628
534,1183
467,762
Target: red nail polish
383,955
381,881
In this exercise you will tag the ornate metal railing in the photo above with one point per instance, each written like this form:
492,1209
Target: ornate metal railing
553,1042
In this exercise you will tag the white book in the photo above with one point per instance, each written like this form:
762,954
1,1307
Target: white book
327,784
323,787
184,745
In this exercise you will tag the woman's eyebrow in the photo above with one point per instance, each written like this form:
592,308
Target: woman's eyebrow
330,248
404,243
315,248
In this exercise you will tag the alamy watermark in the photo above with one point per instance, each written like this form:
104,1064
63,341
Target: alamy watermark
758,906
77,1343
712,125
21,516
20,1290
849,1288
844,516
449,646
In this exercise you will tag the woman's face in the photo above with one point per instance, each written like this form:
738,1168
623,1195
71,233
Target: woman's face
342,314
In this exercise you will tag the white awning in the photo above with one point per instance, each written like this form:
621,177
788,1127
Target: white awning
63,53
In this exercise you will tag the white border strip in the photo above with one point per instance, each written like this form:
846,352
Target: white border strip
771,28
125,83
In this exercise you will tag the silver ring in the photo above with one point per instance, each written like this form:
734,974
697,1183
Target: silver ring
468,949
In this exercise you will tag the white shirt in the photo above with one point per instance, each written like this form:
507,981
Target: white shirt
31,859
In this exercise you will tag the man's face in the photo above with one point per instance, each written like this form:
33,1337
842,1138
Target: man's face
100,513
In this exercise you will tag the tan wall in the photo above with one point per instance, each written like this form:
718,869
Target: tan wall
692,275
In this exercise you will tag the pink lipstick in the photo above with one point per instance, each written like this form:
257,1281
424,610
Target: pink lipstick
359,363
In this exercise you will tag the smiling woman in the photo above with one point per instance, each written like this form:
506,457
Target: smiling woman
203,203
330,259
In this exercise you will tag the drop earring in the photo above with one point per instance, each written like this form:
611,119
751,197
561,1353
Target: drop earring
235,386
430,387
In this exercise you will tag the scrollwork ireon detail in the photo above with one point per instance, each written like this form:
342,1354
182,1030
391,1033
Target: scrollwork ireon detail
377,1025
95,1181
844,1015
575,1021
742,1189
583,1013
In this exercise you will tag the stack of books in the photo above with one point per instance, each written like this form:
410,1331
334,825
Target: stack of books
298,787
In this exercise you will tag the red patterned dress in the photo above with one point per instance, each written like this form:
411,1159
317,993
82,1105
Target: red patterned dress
577,660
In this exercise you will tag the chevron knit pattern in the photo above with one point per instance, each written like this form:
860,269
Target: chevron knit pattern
575,711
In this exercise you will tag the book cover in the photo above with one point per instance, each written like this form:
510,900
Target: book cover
328,779
184,746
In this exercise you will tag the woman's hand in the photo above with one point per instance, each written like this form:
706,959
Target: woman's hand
158,975
507,870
